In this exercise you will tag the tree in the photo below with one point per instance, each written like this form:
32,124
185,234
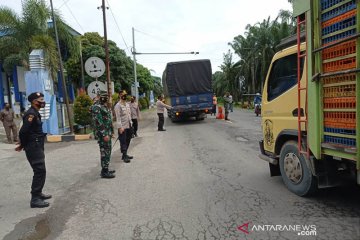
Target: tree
82,114
29,31
257,47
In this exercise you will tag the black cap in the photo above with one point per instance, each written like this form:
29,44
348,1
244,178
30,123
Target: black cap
103,93
34,96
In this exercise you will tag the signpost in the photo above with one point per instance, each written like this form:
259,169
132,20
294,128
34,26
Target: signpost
95,68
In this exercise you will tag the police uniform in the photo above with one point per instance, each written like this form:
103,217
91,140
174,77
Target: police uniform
7,117
32,140
123,120
102,122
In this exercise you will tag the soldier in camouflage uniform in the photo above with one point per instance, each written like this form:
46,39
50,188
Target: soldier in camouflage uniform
102,122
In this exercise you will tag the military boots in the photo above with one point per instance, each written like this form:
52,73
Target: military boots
37,202
105,173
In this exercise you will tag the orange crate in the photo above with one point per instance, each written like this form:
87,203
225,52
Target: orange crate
340,50
344,102
339,65
344,16
339,125
339,79
340,91
340,117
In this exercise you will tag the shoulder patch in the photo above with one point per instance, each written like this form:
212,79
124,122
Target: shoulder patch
30,118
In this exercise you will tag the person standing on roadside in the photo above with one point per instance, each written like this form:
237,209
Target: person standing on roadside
135,114
231,107
103,130
214,105
32,140
160,108
7,117
123,125
227,102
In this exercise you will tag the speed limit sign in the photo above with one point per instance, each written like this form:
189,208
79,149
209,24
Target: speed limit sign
95,87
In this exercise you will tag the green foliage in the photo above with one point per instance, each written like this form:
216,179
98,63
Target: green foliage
82,106
255,48
115,98
143,103
29,31
158,88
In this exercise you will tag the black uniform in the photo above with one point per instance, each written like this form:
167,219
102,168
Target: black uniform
32,140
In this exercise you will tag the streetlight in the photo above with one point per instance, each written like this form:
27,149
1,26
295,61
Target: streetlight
133,50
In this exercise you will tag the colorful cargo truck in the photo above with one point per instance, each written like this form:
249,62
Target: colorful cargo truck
310,102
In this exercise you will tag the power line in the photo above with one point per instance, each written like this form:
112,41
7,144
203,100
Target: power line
65,2
117,25
157,38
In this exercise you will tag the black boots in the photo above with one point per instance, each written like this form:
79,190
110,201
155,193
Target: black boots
45,196
126,158
38,202
105,173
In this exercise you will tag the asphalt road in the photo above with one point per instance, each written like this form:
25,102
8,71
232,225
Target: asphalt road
198,180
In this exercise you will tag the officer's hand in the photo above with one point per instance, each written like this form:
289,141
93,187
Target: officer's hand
18,148
121,130
106,138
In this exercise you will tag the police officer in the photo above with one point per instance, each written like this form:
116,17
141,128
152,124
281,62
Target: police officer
103,130
7,117
32,141
160,107
135,114
123,124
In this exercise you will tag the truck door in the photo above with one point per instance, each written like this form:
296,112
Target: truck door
279,102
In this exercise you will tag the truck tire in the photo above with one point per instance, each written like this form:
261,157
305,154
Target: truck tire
295,172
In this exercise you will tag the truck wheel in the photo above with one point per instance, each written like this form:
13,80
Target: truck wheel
295,172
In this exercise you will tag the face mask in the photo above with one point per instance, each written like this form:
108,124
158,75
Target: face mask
123,97
7,107
40,104
103,100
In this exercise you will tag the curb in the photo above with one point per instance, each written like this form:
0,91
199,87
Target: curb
67,138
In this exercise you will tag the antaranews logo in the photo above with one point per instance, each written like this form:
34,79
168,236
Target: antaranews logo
300,230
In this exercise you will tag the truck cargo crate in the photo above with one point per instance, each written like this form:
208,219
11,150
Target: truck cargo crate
336,11
340,50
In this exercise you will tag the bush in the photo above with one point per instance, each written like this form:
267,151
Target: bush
115,98
143,103
82,106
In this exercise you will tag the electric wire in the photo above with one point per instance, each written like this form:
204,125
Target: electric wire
73,16
117,25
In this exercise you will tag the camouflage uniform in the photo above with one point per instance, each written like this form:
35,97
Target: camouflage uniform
102,123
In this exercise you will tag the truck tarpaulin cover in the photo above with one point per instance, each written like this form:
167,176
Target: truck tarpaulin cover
187,78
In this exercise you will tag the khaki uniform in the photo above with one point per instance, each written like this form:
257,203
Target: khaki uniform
123,120
7,118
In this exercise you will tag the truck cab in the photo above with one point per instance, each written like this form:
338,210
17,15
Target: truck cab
310,110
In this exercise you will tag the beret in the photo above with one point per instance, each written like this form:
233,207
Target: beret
34,96
103,94
123,92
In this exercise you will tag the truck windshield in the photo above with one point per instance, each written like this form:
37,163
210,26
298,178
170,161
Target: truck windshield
283,76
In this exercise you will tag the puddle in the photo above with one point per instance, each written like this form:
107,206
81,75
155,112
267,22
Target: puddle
42,230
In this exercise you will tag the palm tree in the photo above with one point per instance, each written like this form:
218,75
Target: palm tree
31,31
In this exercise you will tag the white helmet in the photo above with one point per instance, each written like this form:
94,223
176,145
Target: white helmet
258,94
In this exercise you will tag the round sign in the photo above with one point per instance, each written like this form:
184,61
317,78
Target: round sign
95,87
95,67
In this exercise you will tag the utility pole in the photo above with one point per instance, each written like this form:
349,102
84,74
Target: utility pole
107,61
82,68
62,72
150,53
135,75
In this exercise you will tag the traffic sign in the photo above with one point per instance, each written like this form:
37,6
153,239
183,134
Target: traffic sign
95,87
94,67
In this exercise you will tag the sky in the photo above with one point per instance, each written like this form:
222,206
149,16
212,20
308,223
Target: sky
163,26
